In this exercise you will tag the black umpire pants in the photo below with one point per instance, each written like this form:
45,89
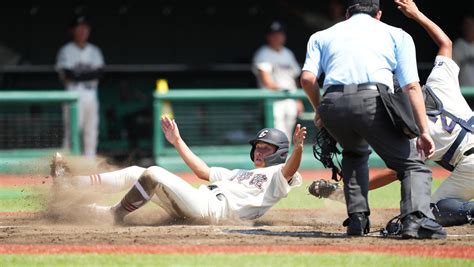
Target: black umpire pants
358,119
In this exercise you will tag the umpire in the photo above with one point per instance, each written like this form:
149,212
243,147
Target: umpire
359,57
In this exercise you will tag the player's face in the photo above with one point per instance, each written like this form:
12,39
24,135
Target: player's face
276,40
81,33
262,150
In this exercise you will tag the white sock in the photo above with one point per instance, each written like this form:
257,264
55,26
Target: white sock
114,181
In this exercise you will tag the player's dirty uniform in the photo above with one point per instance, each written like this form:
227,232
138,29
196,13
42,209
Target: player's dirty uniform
443,81
79,61
244,194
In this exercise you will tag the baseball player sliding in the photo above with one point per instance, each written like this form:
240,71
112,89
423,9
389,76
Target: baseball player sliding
450,123
244,194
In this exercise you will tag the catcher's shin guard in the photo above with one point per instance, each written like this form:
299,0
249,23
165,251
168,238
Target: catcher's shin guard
136,197
452,212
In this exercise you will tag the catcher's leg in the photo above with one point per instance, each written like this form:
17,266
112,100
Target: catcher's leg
452,212
451,199
459,184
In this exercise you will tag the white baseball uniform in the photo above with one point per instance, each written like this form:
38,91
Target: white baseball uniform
443,80
284,69
463,55
244,194
89,58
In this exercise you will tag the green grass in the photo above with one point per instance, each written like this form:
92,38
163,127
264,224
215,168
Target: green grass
384,197
238,260
32,198
25,198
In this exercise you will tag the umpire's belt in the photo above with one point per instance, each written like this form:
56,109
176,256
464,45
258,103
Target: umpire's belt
352,88
212,187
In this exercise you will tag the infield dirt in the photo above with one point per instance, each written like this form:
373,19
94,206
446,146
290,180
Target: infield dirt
152,227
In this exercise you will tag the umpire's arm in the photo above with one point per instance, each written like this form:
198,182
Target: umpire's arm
310,85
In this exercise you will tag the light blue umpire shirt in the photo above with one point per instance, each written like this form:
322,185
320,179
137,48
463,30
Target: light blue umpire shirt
360,50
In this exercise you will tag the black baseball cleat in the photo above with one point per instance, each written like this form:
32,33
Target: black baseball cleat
418,226
358,224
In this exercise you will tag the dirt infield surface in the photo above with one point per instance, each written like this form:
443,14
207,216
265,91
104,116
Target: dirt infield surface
149,230
281,230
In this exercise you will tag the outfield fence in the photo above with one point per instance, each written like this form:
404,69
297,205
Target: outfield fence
31,123
217,124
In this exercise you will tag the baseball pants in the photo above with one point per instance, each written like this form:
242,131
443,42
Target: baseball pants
284,116
88,109
458,185
177,197
358,119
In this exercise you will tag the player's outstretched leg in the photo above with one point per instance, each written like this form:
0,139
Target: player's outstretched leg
176,196
136,197
113,181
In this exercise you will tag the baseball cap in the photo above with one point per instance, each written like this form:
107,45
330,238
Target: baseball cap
275,26
363,2
78,20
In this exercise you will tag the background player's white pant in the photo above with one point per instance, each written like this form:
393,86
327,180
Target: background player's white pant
177,197
460,184
284,115
88,109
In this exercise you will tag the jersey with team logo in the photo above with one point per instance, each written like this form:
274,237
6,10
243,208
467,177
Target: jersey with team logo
443,80
250,193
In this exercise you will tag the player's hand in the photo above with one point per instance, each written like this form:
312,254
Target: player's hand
170,129
299,135
425,145
408,8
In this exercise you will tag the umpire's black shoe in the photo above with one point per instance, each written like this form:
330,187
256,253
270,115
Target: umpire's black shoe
416,225
358,224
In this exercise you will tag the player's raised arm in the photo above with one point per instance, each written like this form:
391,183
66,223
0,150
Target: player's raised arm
409,9
197,165
293,163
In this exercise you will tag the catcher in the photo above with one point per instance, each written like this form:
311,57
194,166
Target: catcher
244,194
450,123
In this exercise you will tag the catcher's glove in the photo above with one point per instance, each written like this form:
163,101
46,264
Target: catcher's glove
322,188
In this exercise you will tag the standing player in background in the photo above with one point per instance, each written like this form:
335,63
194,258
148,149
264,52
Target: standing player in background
244,194
359,57
80,66
454,141
276,69
463,52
